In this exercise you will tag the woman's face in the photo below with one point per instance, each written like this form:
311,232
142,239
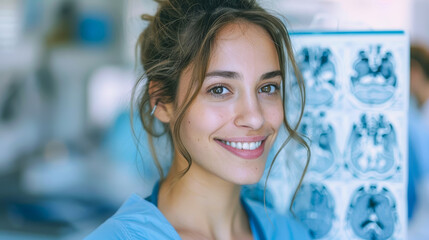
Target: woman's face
231,125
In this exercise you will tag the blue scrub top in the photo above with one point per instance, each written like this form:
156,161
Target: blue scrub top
139,218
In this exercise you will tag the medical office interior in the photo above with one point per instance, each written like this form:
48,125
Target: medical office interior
69,156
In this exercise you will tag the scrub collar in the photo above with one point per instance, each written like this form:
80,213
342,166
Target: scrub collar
255,225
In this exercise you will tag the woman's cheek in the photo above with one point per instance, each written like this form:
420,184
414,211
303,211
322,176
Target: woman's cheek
275,115
209,116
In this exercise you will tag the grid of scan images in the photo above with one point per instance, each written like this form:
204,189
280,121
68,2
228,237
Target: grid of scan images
355,119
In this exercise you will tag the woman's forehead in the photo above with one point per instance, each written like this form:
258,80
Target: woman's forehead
243,44
240,28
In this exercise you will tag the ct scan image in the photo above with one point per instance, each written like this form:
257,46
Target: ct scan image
355,124
323,144
372,149
372,213
315,207
319,71
374,80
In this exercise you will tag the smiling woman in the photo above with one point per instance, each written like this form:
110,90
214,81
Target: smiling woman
239,103
215,73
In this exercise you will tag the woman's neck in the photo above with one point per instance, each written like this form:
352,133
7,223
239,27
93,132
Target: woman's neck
203,205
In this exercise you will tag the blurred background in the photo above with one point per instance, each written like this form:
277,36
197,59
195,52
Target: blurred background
67,67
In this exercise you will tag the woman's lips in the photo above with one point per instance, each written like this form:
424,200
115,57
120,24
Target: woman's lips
244,149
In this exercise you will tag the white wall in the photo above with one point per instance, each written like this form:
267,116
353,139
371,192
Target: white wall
419,31
345,15
134,25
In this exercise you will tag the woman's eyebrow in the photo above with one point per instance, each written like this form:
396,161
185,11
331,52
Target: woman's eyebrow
270,75
224,74
235,75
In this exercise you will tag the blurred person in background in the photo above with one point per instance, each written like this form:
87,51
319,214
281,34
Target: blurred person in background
419,79
215,84
418,181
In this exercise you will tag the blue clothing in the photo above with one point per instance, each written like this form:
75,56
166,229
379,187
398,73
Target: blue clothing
418,156
138,218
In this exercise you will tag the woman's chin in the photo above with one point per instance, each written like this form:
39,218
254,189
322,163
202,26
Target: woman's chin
247,178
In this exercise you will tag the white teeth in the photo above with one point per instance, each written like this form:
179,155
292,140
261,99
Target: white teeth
244,145
252,146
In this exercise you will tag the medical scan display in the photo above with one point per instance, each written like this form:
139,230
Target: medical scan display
355,122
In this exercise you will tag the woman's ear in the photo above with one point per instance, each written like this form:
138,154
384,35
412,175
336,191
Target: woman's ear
162,111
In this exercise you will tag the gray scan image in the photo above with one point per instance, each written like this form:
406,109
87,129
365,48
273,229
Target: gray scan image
314,206
372,213
372,149
373,80
323,144
319,72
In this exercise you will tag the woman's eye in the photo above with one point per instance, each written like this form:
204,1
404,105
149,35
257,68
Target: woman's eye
219,90
270,89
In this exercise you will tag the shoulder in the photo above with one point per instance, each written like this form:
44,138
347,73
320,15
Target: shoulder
275,225
135,219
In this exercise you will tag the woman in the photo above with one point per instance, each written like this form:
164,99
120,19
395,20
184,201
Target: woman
216,79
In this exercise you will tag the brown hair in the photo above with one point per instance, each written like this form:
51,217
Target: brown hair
420,54
181,33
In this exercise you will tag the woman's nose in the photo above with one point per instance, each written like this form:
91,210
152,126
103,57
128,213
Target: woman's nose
249,112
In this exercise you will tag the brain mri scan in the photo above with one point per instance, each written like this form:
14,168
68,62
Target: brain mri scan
372,213
355,124
314,206
374,79
372,147
319,73
323,143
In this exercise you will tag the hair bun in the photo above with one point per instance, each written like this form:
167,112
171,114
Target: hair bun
192,6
